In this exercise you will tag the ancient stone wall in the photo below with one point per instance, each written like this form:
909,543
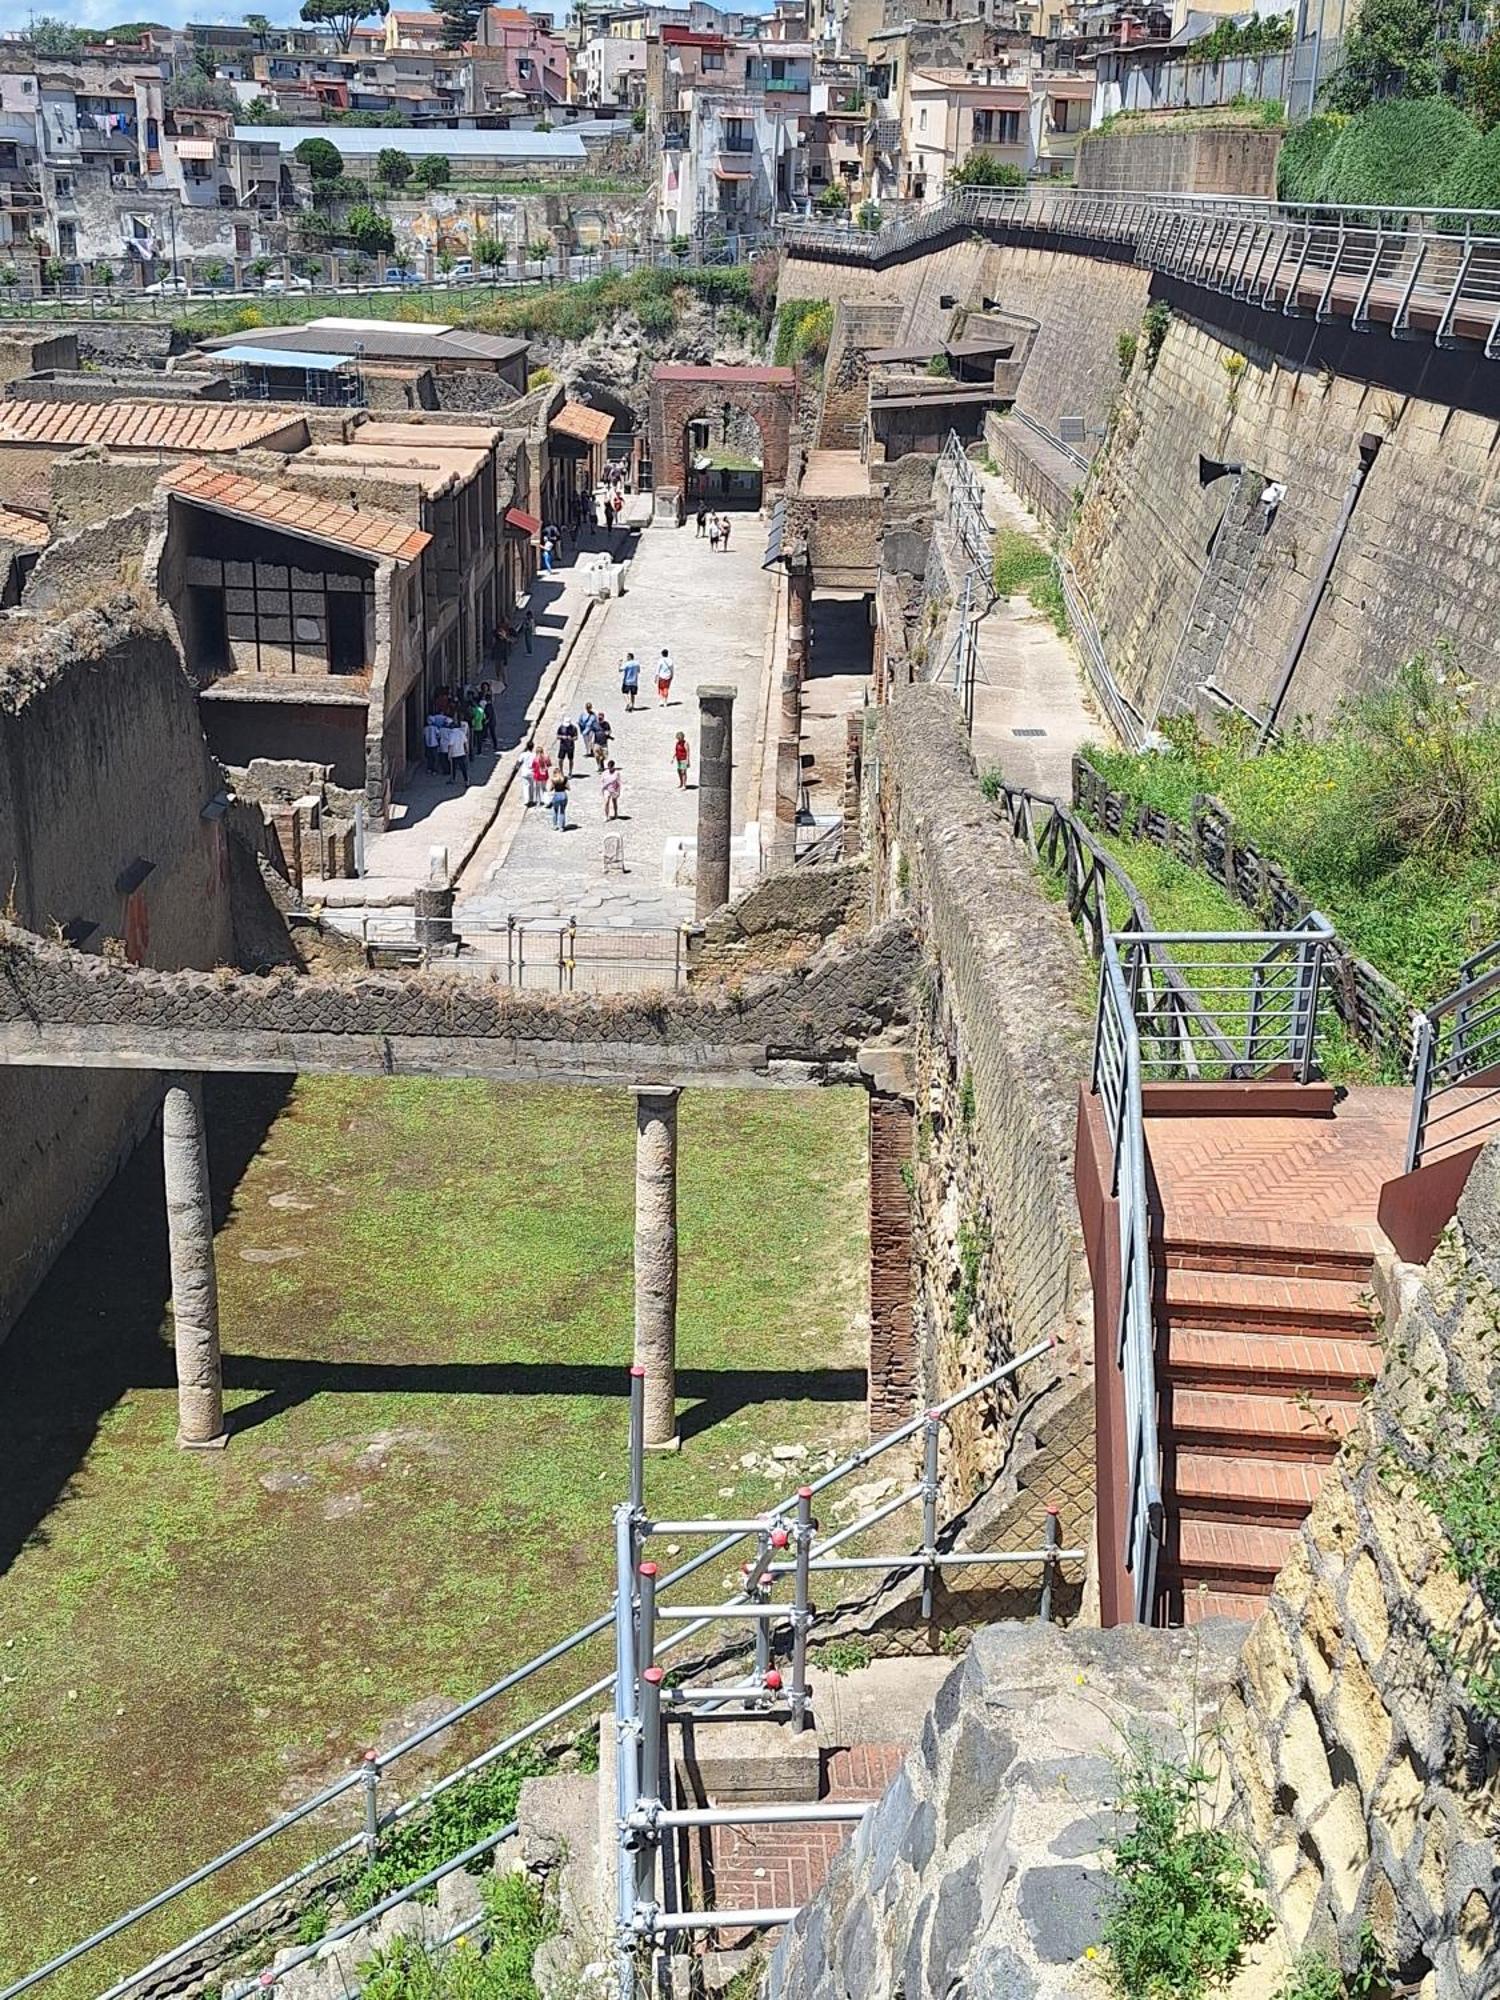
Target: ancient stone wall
90,485
103,777
1363,1734
1217,159
76,567
1416,566
857,329
1001,1042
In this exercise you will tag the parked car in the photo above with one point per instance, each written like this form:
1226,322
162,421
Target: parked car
169,288
276,286
400,274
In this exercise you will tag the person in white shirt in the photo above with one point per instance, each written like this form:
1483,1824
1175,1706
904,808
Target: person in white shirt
456,743
664,672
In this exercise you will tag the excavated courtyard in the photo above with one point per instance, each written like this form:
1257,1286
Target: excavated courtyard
426,1302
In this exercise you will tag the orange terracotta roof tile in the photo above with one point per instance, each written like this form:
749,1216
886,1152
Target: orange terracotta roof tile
23,528
191,427
579,420
361,531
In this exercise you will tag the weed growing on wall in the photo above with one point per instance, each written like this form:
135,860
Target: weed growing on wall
1186,1905
456,1819
804,328
496,1967
1154,323
842,1656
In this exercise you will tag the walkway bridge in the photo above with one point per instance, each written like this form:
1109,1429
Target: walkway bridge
1415,273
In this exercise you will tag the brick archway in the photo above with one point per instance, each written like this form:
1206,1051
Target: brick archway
768,396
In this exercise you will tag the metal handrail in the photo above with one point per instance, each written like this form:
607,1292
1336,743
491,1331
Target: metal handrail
1117,1083
1455,1044
371,1770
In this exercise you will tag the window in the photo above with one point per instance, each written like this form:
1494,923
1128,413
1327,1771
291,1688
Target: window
739,136
63,182
1070,114
922,125
997,128
140,228
67,241
713,58
242,239
778,72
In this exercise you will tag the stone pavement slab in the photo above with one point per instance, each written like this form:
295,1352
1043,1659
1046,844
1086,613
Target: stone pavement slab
711,610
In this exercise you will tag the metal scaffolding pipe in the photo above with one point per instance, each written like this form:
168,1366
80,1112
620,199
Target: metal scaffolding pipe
801,1614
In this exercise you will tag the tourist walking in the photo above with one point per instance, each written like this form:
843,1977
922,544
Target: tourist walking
588,722
603,730
702,520
541,775
713,534
487,729
630,679
664,672
457,746
432,739
609,790
526,772
567,744
724,533
559,802
619,505
681,759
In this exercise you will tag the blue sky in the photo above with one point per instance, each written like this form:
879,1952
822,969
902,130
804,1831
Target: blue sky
174,13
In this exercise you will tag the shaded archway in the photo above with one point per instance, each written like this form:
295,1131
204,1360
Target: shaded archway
714,415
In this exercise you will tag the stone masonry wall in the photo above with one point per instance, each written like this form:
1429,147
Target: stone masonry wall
107,554
1000,1044
103,768
1417,564
1365,1748
1216,159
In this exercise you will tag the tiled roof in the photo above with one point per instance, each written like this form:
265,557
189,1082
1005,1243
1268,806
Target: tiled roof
23,528
306,514
141,426
780,378
578,420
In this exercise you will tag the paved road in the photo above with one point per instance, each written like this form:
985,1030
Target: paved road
713,612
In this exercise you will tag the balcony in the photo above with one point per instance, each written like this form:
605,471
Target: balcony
787,85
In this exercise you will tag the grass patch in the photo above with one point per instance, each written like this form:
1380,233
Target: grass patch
1023,568
426,1303
1186,1905
842,1656
1389,820
498,1968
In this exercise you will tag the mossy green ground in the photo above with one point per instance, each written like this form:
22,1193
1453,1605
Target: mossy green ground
426,1308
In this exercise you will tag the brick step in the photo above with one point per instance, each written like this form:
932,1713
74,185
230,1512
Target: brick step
1238,1556
1265,1492
1268,1364
1216,1245
1193,1606
1266,1302
1270,1426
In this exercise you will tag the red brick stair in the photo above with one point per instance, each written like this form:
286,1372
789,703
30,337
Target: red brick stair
1265,1349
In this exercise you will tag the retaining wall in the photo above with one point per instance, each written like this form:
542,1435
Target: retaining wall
103,770
1216,159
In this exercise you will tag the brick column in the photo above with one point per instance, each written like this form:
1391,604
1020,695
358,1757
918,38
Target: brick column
656,1259
195,1287
893,1361
715,797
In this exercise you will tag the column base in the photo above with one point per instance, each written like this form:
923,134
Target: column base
673,1443
203,1444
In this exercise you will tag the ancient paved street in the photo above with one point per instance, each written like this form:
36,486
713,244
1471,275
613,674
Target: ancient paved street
713,612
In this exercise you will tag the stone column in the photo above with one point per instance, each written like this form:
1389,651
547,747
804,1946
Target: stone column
893,1361
195,1286
715,796
656,1259
798,620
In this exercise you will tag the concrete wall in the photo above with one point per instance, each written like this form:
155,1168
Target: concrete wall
1417,565
102,763
1217,159
1358,1736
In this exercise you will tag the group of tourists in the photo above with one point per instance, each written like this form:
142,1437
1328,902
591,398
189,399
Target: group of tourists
715,526
459,725
546,777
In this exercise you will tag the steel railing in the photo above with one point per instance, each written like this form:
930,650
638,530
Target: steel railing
542,955
1455,1048
362,1786
1418,271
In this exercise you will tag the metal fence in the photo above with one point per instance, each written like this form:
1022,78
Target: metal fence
1456,1064
364,1795
1432,272
539,955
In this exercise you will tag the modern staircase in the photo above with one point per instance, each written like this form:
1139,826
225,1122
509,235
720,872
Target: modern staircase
1265,1349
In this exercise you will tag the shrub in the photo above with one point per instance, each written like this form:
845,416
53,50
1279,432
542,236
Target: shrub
1396,154
656,315
515,1924
867,216
1302,163
433,172
984,170
941,367
1473,179
369,231
1184,1906
803,330
456,1819
842,1656
1154,323
392,166
1126,346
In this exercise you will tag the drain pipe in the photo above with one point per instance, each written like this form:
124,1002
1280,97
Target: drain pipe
1369,451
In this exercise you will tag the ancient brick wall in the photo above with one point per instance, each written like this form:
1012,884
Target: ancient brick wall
857,329
1416,565
1217,159
770,404
1362,1735
103,769
1001,1040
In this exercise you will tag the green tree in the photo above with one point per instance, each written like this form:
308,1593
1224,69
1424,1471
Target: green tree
54,272
445,261
260,269
681,246
490,252
307,267
50,36
322,159
356,264
341,16
392,166
212,271
460,21
9,275
259,26
193,89
1393,52
983,170
638,119
433,172
1479,81
867,216
369,231
104,274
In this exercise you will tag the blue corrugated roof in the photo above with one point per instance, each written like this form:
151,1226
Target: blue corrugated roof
282,357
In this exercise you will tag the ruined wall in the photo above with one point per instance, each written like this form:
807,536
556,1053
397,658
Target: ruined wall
90,485
856,330
103,556
102,768
1000,1044
1366,1765
1217,159
1416,566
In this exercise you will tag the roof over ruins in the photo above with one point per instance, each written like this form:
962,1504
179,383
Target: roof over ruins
362,531
186,427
